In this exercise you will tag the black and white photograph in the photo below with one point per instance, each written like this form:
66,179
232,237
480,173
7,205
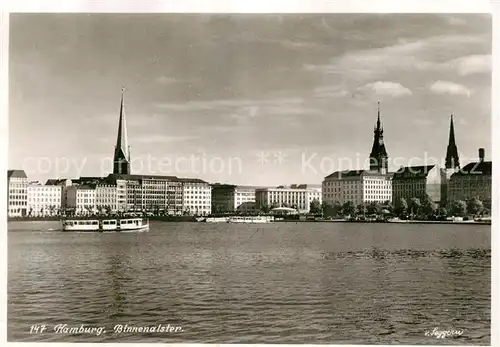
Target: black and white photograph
250,178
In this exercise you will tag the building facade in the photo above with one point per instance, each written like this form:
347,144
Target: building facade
154,193
81,200
417,182
223,198
17,195
196,197
298,197
44,200
358,186
315,192
64,183
228,197
243,195
174,196
148,193
106,198
472,181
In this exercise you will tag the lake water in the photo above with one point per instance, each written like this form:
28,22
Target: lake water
269,283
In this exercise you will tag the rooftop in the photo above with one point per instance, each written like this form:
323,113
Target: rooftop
475,168
355,173
191,180
85,187
16,174
413,171
143,177
55,181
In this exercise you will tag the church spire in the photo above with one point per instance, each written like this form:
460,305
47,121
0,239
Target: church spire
121,159
378,115
378,155
452,161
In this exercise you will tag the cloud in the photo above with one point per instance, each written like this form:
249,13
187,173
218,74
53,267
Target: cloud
245,113
472,64
445,87
380,88
386,88
231,104
463,66
165,80
405,55
330,92
456,21
295,43
293,110
156,138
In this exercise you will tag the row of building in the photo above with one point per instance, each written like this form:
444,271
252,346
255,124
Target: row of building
122,191
443,185
145,193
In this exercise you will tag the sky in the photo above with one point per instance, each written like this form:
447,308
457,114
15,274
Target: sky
254,99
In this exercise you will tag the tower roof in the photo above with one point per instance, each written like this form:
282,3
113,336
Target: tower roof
452,159
378,155
122,140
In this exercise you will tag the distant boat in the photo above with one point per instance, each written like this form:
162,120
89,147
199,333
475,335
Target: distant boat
251,219
106,225
201,219
217,219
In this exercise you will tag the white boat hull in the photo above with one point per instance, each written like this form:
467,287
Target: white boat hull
251,220
106,225
217,220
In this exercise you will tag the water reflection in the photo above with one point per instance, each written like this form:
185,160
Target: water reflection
280,284
116,274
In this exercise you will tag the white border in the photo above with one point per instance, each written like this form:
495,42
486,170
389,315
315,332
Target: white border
4,126
250,6
495,207
255,6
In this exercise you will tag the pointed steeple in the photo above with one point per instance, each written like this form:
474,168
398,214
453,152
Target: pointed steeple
452,161
378,155
121,160
378,115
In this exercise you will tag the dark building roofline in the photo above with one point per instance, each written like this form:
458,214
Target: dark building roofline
223,186
142,177
356,173
476,168
346,173
191,180
85,186
55,181
415,171
247,187
16,174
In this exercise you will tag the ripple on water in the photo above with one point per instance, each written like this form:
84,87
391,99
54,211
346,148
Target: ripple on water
288,283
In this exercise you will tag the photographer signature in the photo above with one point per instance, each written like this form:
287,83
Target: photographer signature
441,334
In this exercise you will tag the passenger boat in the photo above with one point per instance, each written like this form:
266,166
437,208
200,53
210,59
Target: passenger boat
251,219
217,219
106,224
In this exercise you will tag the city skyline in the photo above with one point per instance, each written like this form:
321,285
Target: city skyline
294,85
